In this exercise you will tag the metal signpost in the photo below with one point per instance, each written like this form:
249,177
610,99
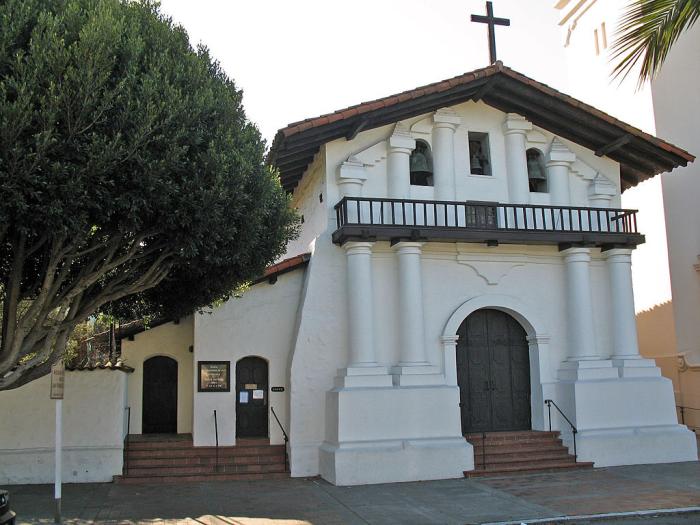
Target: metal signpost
58,374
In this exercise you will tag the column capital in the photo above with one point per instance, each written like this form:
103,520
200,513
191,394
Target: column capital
559,154
517,124
449,339
401,141
540,339
618,255
446,118
577,254
358,248
408,247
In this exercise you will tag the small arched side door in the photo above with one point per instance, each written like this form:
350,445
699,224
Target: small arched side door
159,396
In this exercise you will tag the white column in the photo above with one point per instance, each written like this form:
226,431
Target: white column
362,369
515,129
445,122
414,367
411,327
559,161
581,328
400,146
625,345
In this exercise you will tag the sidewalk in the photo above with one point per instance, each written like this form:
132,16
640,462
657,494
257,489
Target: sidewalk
313,501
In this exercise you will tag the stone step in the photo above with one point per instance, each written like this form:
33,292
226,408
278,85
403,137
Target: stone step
201,477
193,470
185,444
205,451
510,469
532,457
183,461
514,435
523,446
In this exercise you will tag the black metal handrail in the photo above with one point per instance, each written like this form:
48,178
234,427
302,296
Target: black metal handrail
286,437
574,430
216,452
126,440
366,211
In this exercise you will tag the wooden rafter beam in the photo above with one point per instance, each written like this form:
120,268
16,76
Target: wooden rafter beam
614,145
361,124
487,87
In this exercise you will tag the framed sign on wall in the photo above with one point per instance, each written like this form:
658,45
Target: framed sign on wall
213,376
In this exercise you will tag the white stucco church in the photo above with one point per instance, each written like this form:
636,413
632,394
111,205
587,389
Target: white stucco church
463,258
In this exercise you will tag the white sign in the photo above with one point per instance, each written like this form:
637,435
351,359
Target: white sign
243,397
258,394
58,377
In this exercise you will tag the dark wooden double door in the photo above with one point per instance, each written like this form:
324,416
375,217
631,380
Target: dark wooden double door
251,398
493,373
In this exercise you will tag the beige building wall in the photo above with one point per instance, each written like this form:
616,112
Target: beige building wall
171,340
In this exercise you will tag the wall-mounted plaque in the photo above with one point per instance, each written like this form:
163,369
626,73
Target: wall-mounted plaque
214,376
277,389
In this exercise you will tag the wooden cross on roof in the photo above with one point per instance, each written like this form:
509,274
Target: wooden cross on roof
492,22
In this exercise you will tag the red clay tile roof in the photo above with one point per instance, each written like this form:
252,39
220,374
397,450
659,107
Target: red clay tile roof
641,155
287,265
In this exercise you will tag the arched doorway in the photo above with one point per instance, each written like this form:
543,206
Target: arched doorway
251,398
159,396
493,373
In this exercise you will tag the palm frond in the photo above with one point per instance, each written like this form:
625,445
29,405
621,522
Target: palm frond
647,31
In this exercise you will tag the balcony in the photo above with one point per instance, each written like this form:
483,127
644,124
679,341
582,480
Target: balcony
492,223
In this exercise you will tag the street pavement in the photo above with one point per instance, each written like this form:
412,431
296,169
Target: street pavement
549,496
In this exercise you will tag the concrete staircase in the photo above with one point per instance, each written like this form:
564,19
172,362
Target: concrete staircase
173,458
506,453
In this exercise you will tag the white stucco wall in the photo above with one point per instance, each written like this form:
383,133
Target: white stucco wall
93,429
171,340
262,322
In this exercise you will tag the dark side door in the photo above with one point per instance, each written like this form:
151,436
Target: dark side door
251,398
159,396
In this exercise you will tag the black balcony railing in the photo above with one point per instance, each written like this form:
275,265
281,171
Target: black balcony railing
361,218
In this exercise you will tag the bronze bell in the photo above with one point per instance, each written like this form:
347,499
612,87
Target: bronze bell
421,165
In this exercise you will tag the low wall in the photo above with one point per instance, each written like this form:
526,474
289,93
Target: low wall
93,429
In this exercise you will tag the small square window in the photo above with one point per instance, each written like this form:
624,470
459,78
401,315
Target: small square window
479,157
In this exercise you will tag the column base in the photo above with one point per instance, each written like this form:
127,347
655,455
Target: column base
392,461
624,421
417,375
637,445
587,370
363,377
636,367
393,434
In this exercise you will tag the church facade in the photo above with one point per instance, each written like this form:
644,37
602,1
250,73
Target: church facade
463,259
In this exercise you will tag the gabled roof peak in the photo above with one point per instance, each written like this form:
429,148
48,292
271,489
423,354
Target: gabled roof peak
640,155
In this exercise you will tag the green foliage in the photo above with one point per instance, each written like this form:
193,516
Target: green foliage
647,32
130,177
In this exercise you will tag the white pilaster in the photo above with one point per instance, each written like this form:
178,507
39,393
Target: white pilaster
445,122
449,351
363,369
400,146
559,161
600,192
413,359
515,129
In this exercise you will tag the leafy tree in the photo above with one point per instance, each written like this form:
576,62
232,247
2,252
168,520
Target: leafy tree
647,32
130,178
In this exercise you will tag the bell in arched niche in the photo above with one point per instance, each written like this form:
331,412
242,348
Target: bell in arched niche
421,165
536,174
